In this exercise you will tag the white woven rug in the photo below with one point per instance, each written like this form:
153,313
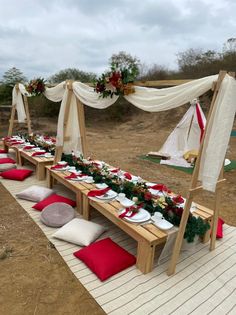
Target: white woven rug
205,282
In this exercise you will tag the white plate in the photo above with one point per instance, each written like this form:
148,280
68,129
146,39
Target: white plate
163,224
101,186
155,192
150,184
109,195
126,202
89,181
61,169
141,216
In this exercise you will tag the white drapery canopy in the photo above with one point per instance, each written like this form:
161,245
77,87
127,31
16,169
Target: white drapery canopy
154,100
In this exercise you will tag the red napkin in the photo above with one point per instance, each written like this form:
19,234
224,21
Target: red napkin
28,147
127,175
178,199
127,210
38,153
116,170
16,142
71,176
98,192
55,167
160,187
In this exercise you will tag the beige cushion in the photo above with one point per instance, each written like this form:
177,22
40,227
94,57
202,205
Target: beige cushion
57,214
7,166
35,193
80,232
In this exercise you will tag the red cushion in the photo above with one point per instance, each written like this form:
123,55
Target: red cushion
51,199
219,232
3,151
7,160
105,258
16,174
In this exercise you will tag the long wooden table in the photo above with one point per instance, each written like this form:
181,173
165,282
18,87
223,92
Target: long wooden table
148,236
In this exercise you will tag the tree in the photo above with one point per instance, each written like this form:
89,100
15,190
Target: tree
125,60
13,76
72,74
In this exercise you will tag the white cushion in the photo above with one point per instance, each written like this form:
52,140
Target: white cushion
80,232
57,214
35,193
4,155
7,166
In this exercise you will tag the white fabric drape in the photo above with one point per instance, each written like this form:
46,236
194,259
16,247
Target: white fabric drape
17,100
72,132
89,97
218,134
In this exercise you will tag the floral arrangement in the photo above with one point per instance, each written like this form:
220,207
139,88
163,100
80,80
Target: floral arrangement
36,86
47,143
167,203
117,81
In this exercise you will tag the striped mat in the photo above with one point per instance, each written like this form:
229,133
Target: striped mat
204,283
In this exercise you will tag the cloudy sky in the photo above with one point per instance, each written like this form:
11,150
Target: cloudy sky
44,36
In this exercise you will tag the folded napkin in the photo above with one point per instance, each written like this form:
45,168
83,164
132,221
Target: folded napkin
38,153
131,209
71,176
160,187
98,192
178,199
127,175
116,170
16,142
57,167
28,147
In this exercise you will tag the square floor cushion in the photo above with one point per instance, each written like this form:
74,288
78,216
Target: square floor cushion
35,193
105,258
80,232
4,155
3,151
7,160
16,174
51,199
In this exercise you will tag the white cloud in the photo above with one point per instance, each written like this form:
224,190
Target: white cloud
43,37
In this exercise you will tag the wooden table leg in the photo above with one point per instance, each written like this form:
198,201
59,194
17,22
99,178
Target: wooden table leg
40,171
207,235
145,256
86,207
20,159
79,202
49,179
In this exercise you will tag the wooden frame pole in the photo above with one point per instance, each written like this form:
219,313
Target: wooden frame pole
81,119
59,149
13,113
193,187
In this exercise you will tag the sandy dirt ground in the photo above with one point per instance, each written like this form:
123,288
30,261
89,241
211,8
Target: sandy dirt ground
34,278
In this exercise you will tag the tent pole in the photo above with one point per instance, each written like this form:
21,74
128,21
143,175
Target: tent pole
81,119
59,149
193,188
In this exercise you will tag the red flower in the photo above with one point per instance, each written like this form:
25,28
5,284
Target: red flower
147,196
178,199
115,79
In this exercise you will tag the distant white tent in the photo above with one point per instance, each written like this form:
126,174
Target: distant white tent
185,137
